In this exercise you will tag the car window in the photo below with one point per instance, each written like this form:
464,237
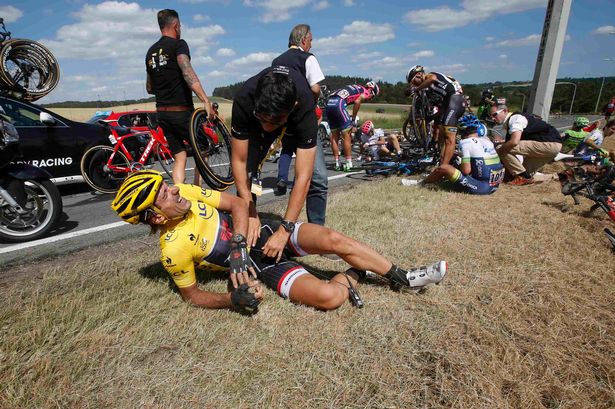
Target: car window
124,120
96,118
20,114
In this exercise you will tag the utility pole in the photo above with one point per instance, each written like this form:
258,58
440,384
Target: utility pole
549,54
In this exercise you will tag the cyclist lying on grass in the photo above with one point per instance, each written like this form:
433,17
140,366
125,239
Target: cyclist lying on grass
480,172
206,228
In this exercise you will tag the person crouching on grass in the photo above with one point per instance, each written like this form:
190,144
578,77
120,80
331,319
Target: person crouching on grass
206,228
480,172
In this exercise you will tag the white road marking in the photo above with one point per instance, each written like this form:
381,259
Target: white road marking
60,237
96,229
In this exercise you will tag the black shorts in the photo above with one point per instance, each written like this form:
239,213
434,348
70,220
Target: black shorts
278,277
453,108
176,127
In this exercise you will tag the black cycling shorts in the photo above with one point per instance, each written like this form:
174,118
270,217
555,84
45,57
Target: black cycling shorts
453,108
278,277
176,128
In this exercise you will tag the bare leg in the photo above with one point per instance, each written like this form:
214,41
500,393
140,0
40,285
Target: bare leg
320,294
347,144
179,167
335,139
315,239
443,171
395,142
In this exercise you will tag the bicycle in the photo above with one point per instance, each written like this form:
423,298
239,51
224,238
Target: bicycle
403,166
27,68
594,183
211,144
417,128
105,167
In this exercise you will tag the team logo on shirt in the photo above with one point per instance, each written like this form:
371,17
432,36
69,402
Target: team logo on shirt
170,236
205,211
168,262
206,193
204,244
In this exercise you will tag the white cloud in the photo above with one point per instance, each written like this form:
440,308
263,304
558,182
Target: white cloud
276,10
259,59
349,3
201,17
532,39
10,13
366,56
503,56
217,73
489,39
225,52
321,5
450,68
202,60
472,11
354,34
414,44
423,54
118,30
604,30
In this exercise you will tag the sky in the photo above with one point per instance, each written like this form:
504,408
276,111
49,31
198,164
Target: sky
101,46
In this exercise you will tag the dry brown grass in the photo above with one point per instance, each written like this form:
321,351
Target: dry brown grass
83,114
524,320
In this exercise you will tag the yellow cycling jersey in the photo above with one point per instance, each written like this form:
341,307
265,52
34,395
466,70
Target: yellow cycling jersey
201,239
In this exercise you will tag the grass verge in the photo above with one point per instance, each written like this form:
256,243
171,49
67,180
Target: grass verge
524,319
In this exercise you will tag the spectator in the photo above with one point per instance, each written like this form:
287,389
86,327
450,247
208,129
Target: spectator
593,141
171,78
608,109
299,58
527,136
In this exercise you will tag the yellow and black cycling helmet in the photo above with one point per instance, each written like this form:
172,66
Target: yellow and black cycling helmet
137,193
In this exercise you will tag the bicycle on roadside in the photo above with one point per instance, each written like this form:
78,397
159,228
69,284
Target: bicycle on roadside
211,144
105,167
592,180
28,70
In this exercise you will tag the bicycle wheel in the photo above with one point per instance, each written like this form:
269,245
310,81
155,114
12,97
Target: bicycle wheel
96,172
211,144
165,158
420,123
28,67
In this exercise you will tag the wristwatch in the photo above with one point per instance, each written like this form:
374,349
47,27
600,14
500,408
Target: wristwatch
239,239
288,226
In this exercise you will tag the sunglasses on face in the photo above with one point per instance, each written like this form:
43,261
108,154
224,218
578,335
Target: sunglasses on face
496,113
268,120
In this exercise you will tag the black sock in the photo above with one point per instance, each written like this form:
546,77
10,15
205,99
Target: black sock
397,275
526,175
361,274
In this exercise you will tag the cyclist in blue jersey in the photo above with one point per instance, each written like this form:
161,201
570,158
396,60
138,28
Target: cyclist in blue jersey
480,172
340,123
446,93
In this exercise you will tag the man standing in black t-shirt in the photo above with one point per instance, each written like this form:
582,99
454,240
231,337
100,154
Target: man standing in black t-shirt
172,79
275,103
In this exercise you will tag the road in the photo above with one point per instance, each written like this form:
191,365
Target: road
88,220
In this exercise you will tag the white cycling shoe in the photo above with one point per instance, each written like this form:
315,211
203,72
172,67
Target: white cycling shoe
424,275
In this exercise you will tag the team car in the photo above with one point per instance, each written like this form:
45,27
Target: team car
51,141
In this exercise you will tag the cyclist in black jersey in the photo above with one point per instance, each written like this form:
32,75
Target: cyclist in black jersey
446,93
196,229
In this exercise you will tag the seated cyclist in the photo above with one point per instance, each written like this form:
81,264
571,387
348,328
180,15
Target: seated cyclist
340,123
480,171
593,141
206,229
446,93
577,133
374,141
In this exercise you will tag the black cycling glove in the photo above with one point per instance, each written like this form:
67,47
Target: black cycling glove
241,297
239,260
